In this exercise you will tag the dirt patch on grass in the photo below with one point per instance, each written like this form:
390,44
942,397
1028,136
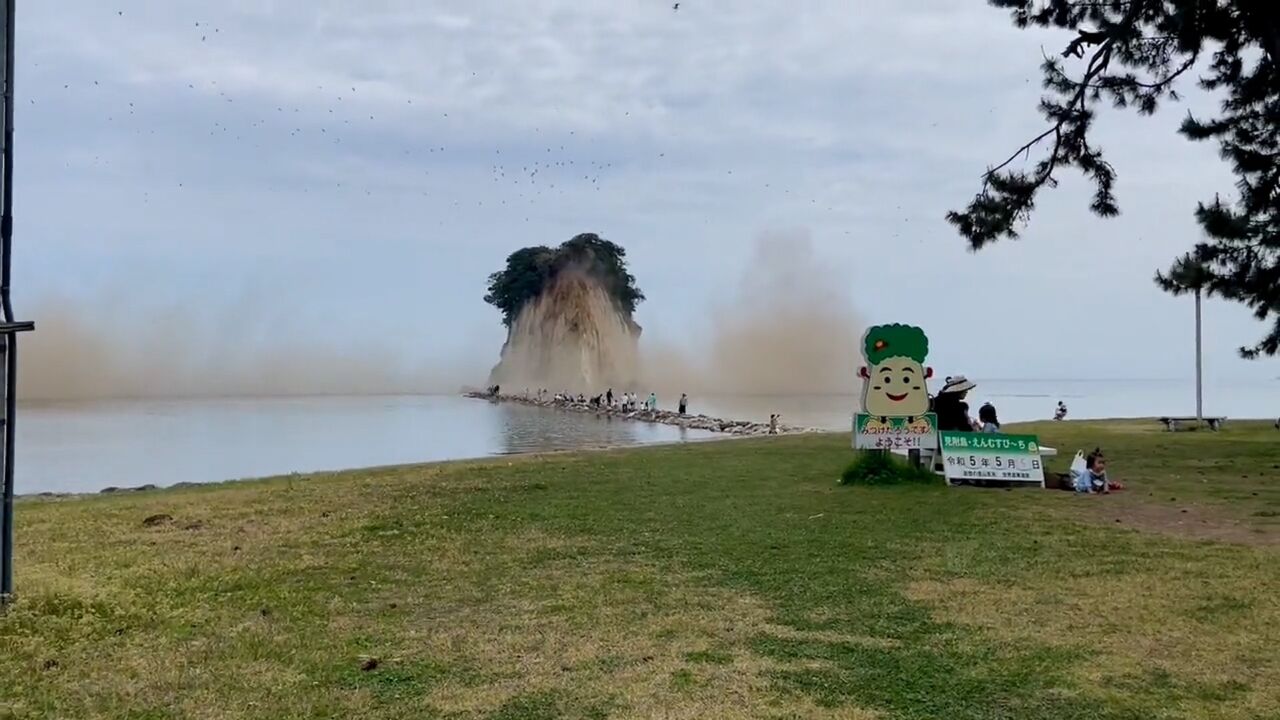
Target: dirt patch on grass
1167,516
1193,521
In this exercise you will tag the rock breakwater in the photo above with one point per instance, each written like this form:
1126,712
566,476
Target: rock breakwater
663,417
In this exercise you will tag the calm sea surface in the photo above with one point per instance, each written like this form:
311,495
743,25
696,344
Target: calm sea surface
86,446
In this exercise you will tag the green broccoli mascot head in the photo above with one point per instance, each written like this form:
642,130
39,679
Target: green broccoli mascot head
896,379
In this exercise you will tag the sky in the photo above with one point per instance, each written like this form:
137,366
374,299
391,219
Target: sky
312,171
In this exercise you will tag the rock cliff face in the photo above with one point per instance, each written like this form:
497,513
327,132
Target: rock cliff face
572,337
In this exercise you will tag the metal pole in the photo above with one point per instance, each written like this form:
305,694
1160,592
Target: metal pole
6,203
10,349
10,406
1199,369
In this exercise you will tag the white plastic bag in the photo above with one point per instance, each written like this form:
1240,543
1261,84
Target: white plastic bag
1078,465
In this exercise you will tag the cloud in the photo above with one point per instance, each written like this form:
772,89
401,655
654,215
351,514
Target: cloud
181,149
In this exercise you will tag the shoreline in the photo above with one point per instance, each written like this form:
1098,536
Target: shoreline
299,475
719,437
735,428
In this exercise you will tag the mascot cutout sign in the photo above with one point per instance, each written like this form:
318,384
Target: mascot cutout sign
895,391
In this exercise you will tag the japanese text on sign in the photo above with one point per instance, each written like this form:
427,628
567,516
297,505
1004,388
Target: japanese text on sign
1010,458
877,433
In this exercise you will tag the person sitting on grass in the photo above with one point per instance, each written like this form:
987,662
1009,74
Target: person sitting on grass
952,410
987,417
1094,477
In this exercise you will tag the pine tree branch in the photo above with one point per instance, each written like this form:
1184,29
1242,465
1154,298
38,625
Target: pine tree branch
1168,80
1151,44
1055,129
1132,82
1104,4
1097,64
1007,197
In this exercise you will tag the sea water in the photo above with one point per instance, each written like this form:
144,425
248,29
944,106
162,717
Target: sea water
87,446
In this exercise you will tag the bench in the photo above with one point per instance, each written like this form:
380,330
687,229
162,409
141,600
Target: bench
1171,423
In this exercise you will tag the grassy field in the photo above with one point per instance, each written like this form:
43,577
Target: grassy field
717,580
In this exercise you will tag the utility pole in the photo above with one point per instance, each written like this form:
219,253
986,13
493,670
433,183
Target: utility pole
9,328
1191,275
1199,369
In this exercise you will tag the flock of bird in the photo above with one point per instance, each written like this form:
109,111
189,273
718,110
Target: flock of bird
521,174
331,116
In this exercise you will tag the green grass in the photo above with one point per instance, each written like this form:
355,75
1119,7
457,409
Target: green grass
719,580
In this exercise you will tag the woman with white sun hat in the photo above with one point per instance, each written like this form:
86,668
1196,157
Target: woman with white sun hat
953,412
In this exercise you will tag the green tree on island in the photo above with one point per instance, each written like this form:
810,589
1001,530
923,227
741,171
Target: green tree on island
531,270
1133,52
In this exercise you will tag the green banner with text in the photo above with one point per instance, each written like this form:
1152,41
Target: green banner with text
985,456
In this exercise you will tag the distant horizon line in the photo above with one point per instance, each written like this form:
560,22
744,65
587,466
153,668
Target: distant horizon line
441,393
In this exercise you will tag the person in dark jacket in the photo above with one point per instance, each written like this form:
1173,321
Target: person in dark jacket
949,405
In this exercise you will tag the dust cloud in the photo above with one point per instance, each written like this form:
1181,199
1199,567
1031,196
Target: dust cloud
571,337
788,328
182,353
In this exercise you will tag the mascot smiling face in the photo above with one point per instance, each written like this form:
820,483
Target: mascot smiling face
895,377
